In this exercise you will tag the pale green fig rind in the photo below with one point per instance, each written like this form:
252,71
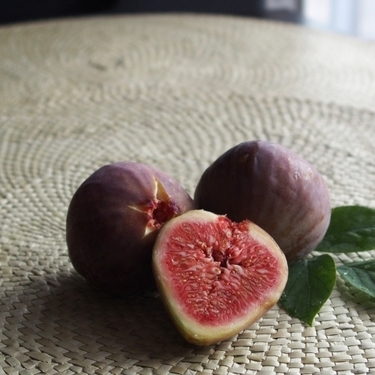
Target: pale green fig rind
192,331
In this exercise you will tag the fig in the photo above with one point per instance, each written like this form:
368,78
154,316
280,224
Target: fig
216,277
275,188
112,222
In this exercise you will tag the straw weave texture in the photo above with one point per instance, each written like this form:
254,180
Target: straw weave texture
173,91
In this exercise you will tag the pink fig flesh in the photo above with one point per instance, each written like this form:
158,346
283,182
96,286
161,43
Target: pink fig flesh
112,222
216,277
273,187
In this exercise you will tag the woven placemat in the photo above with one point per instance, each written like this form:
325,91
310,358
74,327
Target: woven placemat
174,91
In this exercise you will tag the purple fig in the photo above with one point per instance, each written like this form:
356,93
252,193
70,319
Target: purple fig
273,187
112,222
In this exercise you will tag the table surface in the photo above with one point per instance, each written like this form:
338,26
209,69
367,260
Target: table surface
173,91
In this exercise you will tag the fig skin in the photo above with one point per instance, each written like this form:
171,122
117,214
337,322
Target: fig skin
270,185
216,277
112,222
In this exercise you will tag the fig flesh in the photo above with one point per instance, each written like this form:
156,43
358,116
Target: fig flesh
112,222
273,187
216,277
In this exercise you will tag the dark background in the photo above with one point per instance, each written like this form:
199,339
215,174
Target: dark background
16,11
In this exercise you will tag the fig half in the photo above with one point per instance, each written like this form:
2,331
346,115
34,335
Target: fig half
273,187
215,276
112,222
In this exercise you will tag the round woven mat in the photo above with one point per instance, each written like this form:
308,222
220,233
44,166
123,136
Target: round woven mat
174,91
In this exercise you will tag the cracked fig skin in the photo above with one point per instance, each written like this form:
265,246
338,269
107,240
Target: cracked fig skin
273,187
216,277
112,222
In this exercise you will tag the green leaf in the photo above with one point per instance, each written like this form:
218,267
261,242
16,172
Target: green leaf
360,275
310,284
352,229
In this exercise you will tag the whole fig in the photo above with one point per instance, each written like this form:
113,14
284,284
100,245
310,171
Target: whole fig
216,277
276,189
112,222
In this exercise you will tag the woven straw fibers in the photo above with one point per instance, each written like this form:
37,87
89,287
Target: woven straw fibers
174,91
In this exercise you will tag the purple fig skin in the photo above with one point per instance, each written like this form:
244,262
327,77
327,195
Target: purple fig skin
276,189
112,223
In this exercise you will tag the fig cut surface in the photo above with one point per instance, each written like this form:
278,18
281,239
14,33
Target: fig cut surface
216,277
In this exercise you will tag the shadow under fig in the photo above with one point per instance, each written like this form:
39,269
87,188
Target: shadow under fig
88,321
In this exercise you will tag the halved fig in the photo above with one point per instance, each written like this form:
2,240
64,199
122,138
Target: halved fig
216,277
112,222
272,186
